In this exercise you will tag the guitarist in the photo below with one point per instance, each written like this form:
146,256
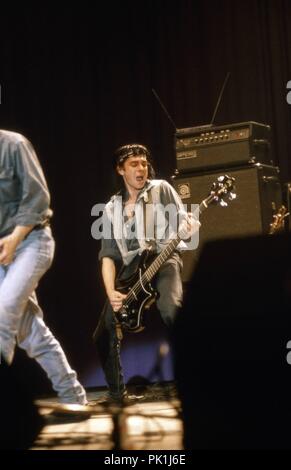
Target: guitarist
128,217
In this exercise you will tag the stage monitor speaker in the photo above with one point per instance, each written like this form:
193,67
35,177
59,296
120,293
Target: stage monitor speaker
20,420
232,346
259,197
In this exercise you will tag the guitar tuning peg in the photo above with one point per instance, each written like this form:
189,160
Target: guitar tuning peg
223,203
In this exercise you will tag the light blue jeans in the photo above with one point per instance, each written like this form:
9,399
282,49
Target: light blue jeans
21,318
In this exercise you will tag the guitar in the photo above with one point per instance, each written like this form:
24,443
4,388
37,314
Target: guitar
140,292
279,220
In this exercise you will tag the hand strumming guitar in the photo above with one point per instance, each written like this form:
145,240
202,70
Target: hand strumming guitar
115,299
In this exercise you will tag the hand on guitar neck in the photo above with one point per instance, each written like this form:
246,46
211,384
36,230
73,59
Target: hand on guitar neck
189,226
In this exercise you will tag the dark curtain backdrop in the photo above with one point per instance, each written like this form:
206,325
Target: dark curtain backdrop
77,81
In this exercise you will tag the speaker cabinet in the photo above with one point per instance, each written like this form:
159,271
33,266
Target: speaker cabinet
232,345
259,198
20,420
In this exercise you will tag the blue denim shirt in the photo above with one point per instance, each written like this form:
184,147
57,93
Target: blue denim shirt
125,250
24,196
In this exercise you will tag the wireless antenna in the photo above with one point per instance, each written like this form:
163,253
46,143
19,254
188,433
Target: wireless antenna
165,110
219,98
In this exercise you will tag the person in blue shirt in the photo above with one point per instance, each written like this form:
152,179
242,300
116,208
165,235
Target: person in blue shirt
26,253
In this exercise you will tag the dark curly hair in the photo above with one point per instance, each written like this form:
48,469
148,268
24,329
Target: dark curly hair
133,150
130,150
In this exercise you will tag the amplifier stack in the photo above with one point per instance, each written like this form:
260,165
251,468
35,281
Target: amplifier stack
243,151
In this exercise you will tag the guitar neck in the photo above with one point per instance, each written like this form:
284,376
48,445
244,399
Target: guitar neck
161,259
205,203
166,253
223,187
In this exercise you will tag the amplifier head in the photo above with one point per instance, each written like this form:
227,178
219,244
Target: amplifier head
222,146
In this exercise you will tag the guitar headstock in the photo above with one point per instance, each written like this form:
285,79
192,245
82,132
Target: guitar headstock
222,188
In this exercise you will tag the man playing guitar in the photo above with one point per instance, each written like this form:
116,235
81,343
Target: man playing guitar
133,228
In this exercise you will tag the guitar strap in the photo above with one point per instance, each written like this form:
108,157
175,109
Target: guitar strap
149,218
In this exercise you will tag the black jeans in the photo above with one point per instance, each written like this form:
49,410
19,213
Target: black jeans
169,286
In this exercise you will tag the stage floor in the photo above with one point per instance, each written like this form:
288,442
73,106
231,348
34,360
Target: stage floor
153,422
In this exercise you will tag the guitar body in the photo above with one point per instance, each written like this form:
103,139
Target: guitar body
131,315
